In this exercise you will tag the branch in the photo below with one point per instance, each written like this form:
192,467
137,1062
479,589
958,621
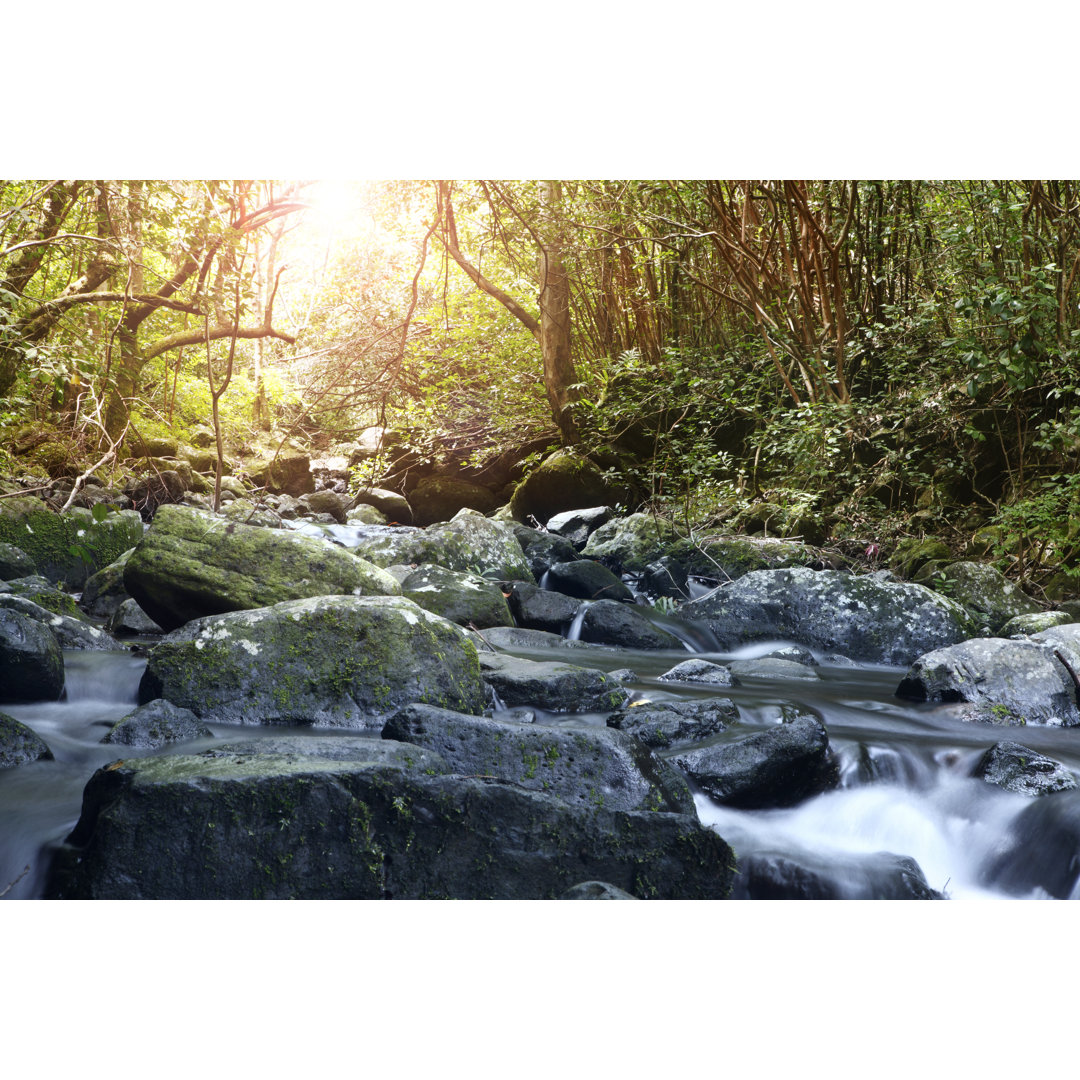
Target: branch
53,240
448,236
194,337
150,299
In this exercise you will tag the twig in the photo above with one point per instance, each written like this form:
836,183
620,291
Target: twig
26,870
1068,667
93,468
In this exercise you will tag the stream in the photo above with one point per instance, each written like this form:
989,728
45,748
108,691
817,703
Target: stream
905,786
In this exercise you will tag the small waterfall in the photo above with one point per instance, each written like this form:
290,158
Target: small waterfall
545,579
574,633
102,676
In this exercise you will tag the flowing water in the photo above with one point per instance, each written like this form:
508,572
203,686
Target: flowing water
905,786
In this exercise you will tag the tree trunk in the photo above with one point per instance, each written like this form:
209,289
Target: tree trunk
559,373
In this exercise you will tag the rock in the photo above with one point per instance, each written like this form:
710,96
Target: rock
770,667
516,638
162,489
130,619
1040,853
607,622
43,595
665,577
31,665
633,542
67,547
237,826
20,744
596,890
158,723
104,591
69,633
1004,681
163,446
1025,625
334,746
700,671
470,542
1022,771
587,580
372,441
365,515
439,498
245,511
795,653
464,599
912,553
882,622
882,876
575,526
15,563
334,661
289,473
985,592
662,724
326,502
542,550
562,481
586,766
550,685
394,506
541,609
191,564
778,767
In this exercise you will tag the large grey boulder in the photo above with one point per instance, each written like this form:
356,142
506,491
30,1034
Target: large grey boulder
608,622
991,598
767,875
31,664
542,609
585,765
587,580
777,767
1039,854
104,591
70,633
191,564
543,549
333,661
1004,681
15,563
562,481
865,618
227,825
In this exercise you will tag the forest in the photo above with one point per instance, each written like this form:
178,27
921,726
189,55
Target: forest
849,362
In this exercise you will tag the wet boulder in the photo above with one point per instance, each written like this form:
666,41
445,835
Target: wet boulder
700,671
325,502
766,875
288,473
20,744
662,724
772,667
394,505
227,825
192,564
31,664
781,766
542,609
333,661
1025,625
666,577
607,622
518,638
1002,680
865,618
1040,853
130,620
156,724
587,580
583,766
550,685
1022,771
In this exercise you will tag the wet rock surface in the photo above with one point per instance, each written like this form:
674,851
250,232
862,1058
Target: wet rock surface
1023,771
20,744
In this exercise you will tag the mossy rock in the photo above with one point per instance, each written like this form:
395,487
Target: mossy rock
911,553
465,599
19,744
439,498
562,481
67,548
31,664
289,474
15,563
336,661
990,597
192,564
